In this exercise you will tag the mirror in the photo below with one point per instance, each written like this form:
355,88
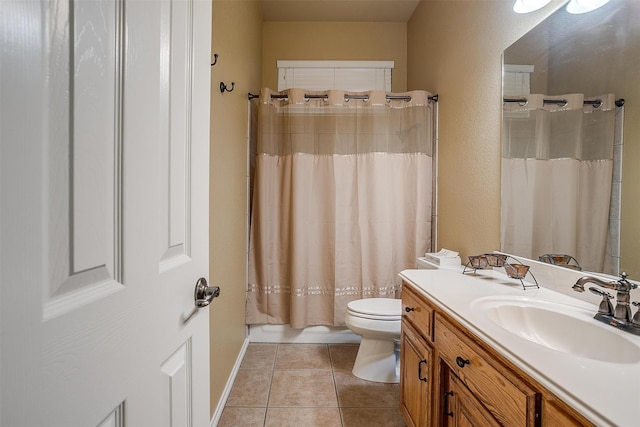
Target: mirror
593,54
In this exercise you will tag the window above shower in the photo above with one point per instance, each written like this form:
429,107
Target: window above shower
355,76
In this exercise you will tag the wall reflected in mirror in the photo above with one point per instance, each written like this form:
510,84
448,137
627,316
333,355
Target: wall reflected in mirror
565,61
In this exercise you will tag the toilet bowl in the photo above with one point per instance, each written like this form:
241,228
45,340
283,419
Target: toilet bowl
377,321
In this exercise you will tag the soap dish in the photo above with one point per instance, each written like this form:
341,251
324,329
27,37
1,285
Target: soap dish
562,260
516,271
496,260
478,262
481,262
519,271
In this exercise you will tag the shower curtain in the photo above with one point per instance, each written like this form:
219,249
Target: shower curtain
341,202
557,164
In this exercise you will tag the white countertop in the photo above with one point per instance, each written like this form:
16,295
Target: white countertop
606,393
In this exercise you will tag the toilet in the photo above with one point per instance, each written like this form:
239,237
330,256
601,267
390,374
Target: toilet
377,321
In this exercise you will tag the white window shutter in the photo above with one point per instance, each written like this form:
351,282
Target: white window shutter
356,76
517,80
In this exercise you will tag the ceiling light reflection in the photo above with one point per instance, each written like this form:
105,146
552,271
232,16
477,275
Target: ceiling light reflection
526,6
584,6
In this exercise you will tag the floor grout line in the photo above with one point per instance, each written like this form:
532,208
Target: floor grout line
335,385
273,370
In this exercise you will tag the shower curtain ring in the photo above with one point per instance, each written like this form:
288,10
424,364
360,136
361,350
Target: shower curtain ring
224,88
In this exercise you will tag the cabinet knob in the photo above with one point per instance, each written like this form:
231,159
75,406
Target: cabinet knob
461,362
409,309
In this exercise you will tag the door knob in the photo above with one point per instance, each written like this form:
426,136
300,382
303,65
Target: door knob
204,293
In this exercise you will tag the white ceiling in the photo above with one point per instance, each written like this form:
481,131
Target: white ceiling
338,10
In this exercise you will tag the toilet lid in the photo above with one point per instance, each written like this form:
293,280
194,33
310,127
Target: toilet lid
379,307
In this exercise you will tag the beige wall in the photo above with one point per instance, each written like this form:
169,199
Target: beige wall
354,41
236,37
455,49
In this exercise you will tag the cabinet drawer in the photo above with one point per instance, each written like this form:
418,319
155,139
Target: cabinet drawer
416,309
509,399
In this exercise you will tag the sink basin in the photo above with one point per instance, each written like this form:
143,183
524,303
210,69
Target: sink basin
561,327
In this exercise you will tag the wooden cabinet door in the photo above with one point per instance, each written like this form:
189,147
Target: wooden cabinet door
555,413
462,409
416,378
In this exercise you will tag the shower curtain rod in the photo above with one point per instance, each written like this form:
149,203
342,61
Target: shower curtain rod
562,102
347,97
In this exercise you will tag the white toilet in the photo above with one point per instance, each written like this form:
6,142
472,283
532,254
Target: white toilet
377,321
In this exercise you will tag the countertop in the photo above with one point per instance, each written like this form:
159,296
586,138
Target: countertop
604,392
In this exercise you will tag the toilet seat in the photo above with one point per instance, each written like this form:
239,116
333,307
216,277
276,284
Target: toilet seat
389,309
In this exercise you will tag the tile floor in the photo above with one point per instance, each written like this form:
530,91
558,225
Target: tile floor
307,385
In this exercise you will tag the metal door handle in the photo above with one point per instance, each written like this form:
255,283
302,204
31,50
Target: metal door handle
204,294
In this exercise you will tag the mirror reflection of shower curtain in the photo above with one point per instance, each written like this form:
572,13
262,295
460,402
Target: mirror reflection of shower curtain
341,203
557,164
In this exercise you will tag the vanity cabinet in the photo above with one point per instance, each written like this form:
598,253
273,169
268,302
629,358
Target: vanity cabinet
508,399
449,377
417,360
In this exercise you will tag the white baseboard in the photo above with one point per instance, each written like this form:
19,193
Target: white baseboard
227,388
308,335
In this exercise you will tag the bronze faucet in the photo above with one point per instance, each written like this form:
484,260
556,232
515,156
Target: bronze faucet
622,314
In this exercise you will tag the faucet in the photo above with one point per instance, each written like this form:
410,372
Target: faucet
622,314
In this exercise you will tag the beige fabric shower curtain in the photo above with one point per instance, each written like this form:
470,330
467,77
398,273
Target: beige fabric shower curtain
557,164
341,202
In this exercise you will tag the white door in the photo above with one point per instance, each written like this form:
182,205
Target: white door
104,127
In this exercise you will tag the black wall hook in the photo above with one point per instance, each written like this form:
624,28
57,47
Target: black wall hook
224,88
215,59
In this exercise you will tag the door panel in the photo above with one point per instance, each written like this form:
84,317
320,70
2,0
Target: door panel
104,220
94,117
178,385
115,418
175,165
83,149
